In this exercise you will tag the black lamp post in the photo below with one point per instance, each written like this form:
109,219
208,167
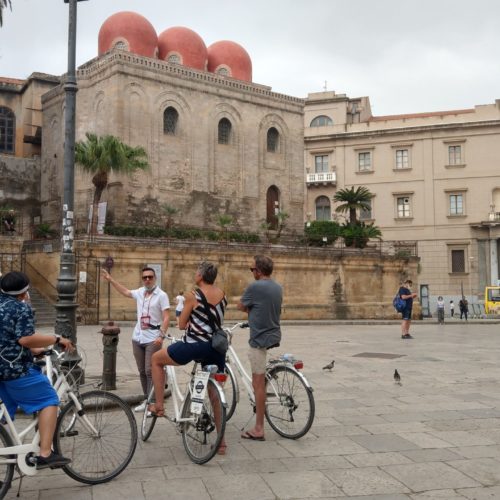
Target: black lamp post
66,283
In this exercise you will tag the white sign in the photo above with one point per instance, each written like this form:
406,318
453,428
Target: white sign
199,389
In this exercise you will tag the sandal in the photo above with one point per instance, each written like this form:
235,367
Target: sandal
154,412
222,449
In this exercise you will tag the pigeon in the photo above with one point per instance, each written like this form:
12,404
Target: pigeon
329,366
397,377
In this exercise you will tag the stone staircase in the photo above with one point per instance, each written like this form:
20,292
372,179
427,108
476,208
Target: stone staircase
45,313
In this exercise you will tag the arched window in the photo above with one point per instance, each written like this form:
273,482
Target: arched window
273,206
170,118
323,208
273,140
174,59
223,71
121,45
224,129
321,121
7,130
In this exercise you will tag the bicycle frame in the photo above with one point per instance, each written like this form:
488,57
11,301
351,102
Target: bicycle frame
20,450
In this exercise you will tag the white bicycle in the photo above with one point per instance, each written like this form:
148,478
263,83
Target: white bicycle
289,396
95,429
199,414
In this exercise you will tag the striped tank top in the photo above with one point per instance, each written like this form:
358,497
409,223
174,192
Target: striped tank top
199,326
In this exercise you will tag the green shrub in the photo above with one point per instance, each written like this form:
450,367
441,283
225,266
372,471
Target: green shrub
357,235
319,229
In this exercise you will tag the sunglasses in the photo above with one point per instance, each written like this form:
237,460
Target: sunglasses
252,269
148,277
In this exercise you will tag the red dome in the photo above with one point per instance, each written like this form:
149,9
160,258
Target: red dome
230,56
184,43
130,28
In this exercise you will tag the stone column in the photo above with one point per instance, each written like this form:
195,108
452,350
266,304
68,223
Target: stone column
493,261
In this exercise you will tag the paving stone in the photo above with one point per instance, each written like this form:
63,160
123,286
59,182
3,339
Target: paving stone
424,440
193,470
437,495
376,459
420,477
366,481
432,455
384,442
327,446
478,451
121,489
178,489
307,484
241,486
463,438
484,470
492,493
316,463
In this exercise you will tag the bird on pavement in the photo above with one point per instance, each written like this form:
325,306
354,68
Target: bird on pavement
397,377
329,366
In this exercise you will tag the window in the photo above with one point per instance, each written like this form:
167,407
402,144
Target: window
366,213
174,59
321,121
273,139
402,158
455,155
321,164
121,45
223,71
365,161
7,128
170,118
272,206
323,208
456,204
403,206
458,261
224,131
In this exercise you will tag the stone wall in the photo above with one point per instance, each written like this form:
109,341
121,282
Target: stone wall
318,283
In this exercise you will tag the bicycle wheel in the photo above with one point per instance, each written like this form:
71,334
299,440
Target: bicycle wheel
231,391
290,403
202,436
100,440
6,470
148,419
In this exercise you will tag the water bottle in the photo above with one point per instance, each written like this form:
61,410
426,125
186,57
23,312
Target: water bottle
211,369
287,357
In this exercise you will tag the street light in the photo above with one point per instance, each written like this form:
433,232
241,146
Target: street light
66,283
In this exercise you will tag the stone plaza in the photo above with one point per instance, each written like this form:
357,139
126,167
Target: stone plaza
435,436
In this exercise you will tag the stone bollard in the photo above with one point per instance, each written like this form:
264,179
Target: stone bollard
110,334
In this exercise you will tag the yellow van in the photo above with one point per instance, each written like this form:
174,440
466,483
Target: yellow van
492,300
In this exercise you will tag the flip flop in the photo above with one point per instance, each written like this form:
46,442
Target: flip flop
222,449
247,435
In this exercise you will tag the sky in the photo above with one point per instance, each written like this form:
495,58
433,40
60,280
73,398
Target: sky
408,56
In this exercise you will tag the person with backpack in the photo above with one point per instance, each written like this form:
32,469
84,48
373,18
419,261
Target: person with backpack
406,294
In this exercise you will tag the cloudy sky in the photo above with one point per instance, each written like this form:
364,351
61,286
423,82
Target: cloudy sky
406,55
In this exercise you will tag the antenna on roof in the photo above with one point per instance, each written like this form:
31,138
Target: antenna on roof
325,86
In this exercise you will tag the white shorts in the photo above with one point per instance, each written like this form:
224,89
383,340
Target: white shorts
258,358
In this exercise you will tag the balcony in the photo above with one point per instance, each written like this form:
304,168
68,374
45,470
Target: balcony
494,216
323,178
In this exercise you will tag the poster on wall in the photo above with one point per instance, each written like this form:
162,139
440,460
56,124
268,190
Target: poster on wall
101,217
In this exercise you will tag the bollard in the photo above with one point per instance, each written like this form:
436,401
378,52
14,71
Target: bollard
110,334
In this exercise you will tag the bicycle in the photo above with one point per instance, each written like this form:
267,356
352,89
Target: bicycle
96,430
199,414
290,406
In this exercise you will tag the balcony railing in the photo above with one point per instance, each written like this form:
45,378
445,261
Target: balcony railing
494,216
321,178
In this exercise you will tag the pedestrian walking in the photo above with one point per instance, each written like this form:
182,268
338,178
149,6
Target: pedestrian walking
179,306
406,294
440,310
452,308
464,308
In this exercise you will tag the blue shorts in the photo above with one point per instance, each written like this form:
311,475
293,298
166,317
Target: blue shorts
177,313
185,352
406,314
31,393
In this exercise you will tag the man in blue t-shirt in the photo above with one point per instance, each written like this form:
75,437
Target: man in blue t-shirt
22,384
406,294
262,301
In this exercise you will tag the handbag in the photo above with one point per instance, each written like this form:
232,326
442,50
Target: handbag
220,341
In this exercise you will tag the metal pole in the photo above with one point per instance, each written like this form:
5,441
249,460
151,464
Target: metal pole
66,284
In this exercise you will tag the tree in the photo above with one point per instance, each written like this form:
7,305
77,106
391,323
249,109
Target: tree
282,217
3,5
169,211
105,154
352,200
223,221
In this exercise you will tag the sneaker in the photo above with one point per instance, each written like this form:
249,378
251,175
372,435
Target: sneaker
407,336
53,461
141,407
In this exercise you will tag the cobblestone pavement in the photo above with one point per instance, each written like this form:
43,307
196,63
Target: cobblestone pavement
435,436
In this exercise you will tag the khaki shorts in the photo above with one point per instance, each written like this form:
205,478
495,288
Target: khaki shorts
258,358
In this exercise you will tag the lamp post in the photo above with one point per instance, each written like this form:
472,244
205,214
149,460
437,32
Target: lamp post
66,283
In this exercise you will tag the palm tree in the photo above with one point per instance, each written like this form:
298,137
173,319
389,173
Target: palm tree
3,5
102,155
352,200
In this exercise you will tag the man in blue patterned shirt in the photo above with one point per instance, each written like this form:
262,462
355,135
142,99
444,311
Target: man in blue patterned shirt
22,384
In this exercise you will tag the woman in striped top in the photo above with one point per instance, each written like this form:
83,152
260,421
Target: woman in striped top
196,344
